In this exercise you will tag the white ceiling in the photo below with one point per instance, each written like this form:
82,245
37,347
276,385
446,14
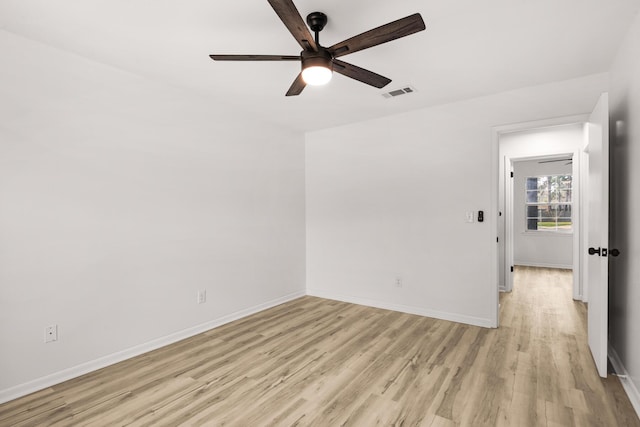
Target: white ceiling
470,48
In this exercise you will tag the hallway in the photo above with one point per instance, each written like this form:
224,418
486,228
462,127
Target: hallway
552,358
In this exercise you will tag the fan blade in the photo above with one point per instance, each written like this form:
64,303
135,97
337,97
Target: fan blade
391,31
297,87
360,74
555,160
255,57
292,19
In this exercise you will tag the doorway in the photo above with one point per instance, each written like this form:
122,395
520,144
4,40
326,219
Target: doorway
540,223
589,220
541,210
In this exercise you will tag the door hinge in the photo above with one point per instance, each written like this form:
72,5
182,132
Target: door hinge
497,240
511,174
512,268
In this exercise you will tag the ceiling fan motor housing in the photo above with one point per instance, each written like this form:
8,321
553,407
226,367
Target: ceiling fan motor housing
321,58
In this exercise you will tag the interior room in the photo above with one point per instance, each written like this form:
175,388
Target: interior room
152,197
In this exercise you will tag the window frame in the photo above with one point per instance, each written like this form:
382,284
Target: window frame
550,204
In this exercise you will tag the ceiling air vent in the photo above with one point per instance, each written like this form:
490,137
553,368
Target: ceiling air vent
398,92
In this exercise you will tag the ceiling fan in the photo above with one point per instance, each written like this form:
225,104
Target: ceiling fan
569,161
319,62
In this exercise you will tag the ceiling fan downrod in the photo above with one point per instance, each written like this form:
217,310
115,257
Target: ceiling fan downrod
317,21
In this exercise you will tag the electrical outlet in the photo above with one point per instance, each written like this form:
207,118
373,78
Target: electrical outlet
398,282
202,296
51,333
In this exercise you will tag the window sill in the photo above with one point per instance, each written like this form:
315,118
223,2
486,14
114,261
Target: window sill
547,233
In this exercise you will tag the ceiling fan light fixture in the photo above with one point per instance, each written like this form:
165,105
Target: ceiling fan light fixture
317,67
317,75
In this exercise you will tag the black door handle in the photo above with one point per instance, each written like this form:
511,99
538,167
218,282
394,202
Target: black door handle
614,252
594,251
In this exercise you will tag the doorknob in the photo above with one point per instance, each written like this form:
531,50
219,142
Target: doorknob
594,251
614,252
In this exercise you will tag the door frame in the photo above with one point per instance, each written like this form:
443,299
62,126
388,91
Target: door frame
499,166
509,213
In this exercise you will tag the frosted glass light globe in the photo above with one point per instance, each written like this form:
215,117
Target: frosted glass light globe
316,75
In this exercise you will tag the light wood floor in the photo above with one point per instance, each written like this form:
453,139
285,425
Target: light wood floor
325,363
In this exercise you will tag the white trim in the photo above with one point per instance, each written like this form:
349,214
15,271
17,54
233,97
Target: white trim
544,265
540,124
494,212
625,379
578,226
509,250
547,233
420,311
102,362
583,192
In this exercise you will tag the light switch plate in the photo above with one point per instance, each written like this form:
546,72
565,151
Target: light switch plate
469,216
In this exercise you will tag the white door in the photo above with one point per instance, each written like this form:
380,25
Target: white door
598,232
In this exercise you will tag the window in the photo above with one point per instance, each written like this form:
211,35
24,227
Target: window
548,203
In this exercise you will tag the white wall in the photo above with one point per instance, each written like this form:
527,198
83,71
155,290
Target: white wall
624,271
120,198
539,248
387,198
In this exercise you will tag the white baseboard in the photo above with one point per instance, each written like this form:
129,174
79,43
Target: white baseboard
626,381
420,311
93,365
